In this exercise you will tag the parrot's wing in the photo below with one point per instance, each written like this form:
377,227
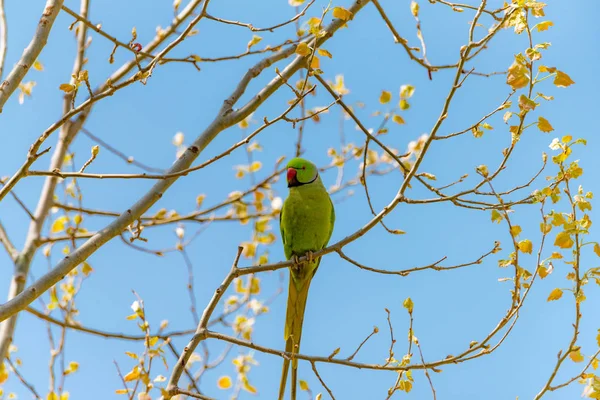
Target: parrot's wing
287,250
331,222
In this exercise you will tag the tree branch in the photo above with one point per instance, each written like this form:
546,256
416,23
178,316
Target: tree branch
270,29
10,248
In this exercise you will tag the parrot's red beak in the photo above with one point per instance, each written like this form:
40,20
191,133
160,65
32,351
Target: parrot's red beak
291,177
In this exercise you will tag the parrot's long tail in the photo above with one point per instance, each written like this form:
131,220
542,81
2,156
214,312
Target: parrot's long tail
297,295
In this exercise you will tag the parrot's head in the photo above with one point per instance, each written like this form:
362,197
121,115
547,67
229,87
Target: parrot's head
301,172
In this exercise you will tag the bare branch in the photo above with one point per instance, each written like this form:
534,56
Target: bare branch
270,29
435,266
104,334
314,368
128,160
191,394
25,383
426,371
375,331
202,327
10,248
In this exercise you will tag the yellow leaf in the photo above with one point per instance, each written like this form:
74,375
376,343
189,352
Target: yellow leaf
67,87
543,272
385,97
121,391
597,249
302,49
483,170
526,246
86,268
566,138
398,119
303,385
132,375
543,26
83,75
537,9
64,396
517,76
555,294
563,240
558,219
247,386
224,382
526,104
515,230
404,105
544,125
59,224
255,166
51,396
255,39
73,366
339,86
324,53
342,13
408,304
576,356
37,65
406,91
77,219
315,62
562,79
255,285
496,216
414,8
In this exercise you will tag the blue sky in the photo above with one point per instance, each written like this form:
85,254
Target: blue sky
451,308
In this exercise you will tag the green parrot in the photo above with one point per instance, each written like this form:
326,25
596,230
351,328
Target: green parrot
306,223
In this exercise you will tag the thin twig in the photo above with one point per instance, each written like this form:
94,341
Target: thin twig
270,29
8,245
314,368
128,160
375,331
25,383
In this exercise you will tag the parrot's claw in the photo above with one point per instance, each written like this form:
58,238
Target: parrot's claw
309,256
295,259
